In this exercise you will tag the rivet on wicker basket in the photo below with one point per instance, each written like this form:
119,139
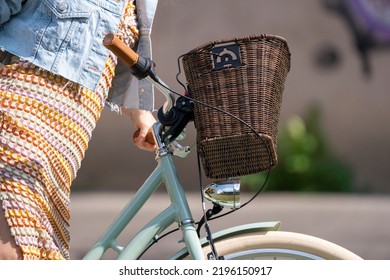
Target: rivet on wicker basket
245,77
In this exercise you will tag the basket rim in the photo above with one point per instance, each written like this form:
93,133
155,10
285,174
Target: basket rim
244,38
264,36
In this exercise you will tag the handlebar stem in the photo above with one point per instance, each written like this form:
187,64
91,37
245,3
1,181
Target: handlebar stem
162,149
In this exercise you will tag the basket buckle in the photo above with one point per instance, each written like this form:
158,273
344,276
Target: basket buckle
226,56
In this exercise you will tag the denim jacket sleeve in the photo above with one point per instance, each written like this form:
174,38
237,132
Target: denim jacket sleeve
9,8
127,91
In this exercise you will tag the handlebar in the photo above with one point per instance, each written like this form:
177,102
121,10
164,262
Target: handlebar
175,118
141,67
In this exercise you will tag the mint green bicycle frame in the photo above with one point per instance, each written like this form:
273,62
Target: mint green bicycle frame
178,211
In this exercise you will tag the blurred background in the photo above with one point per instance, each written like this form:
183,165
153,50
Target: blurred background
334,131
332,180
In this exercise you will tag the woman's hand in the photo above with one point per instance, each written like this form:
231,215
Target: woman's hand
143,122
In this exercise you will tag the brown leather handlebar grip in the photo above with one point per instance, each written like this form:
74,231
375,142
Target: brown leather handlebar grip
120,49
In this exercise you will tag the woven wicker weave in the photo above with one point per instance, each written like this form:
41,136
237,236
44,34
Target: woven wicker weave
245,77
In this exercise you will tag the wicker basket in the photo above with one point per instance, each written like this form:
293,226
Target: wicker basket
245,77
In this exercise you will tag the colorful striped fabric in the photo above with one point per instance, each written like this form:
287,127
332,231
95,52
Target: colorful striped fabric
46,123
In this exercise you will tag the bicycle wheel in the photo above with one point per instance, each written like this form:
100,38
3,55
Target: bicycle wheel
279,245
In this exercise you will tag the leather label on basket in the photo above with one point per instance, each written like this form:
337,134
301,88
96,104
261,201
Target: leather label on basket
226,56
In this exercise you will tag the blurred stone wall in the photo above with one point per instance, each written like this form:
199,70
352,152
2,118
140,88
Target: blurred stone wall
325,69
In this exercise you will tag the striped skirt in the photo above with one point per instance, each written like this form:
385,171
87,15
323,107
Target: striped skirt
46,123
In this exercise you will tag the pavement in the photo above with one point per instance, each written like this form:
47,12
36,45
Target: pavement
355,221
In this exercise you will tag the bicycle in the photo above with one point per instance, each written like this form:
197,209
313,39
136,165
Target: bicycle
261,240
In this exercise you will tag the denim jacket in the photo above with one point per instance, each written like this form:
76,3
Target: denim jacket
65,37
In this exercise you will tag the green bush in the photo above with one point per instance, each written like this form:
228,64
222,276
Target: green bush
305,161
